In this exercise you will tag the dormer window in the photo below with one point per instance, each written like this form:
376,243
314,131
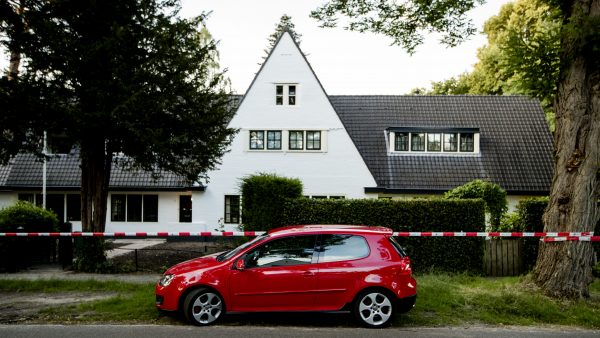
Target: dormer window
450,141
285,94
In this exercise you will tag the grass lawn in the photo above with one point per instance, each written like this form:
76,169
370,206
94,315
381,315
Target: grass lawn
442,300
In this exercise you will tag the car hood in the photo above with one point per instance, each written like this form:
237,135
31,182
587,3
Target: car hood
200,263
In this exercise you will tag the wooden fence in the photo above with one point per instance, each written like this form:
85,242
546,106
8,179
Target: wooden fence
503,257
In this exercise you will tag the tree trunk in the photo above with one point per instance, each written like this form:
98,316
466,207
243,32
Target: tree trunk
564,269
96,161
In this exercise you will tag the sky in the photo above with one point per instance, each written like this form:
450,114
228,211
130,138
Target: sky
345,62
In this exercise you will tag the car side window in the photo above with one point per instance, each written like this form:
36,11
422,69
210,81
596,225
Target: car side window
287,251
336,248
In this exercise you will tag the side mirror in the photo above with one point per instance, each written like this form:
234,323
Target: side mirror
239,265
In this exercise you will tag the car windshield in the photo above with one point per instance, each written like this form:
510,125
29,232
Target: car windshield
228,254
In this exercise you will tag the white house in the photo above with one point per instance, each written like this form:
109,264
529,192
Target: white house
339,147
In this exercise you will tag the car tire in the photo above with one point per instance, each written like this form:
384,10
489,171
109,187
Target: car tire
203,307
374,308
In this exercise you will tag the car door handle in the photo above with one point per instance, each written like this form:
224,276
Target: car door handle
308,274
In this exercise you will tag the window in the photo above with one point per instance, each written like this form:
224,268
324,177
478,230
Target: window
25,197
418,142
313,140
274,139
257,139
232,208
401,142
134,208
285,94
336,197
288,251
434,142
467,142
292,95
296,140
117,208
185,209
450,142
73,207
336,248
279,95
150,208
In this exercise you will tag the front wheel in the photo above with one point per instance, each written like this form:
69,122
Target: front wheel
203,307
374,308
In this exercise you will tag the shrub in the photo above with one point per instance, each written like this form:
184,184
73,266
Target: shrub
492,194
18,253
444,254
509,222
263,196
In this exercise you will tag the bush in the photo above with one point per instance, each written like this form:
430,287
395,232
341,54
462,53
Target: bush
263,196
492,194
510,222
443,254
16,253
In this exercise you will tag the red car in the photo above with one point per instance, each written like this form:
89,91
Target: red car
300,268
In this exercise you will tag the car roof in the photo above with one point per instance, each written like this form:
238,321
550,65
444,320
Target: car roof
330,228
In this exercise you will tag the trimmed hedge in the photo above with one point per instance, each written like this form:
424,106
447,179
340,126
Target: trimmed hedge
16,253
263,196
443,254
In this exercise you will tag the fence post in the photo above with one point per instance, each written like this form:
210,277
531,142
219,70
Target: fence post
65,247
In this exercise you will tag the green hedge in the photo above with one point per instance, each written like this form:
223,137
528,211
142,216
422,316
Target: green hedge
443,254
16,253
530,212
492,194
263,196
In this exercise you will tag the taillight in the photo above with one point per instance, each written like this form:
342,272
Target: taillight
405,265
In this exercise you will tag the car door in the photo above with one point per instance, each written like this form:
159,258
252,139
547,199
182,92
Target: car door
341,267
279,275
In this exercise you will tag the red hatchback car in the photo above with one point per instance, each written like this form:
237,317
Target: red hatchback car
300,268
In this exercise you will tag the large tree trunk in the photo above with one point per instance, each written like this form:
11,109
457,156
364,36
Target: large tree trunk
96,160
564,269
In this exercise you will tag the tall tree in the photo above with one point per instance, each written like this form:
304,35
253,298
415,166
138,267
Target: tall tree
126,81
563,269
285,24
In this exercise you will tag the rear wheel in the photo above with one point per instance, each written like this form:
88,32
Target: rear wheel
203,307
374,308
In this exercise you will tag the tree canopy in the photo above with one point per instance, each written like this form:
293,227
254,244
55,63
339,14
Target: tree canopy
126,81
285,24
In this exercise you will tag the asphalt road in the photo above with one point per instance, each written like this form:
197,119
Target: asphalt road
147,331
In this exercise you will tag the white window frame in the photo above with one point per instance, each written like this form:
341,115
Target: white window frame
285,96
392,143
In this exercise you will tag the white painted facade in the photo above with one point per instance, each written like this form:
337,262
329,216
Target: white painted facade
337,169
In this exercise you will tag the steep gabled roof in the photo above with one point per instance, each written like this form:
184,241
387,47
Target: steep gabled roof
64,173
515,144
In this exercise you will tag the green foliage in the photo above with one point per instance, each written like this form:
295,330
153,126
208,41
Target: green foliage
521,56
263,197
493,195
26,217
91,255
16,253
285,24
509,222
446,254
405,22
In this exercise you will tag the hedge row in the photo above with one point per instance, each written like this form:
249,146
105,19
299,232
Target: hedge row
443,254
530,212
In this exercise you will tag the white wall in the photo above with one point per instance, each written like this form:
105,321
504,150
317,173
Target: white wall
337,169
7,199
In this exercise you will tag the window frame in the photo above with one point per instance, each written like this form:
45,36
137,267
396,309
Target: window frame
313,132
398,141
290,133
469,144
438,141
270,132
421,145
185,215
285,96
126,206
321,250
291,238
227,215
252,141
446,142
465,142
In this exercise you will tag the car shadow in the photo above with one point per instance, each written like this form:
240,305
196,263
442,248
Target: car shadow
308,319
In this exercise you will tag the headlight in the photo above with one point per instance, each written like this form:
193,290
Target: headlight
166,280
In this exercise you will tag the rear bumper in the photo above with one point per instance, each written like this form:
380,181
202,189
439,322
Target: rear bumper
404,305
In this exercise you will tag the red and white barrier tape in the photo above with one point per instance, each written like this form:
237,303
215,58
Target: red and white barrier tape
545,236
134,234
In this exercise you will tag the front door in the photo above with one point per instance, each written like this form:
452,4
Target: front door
279,275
